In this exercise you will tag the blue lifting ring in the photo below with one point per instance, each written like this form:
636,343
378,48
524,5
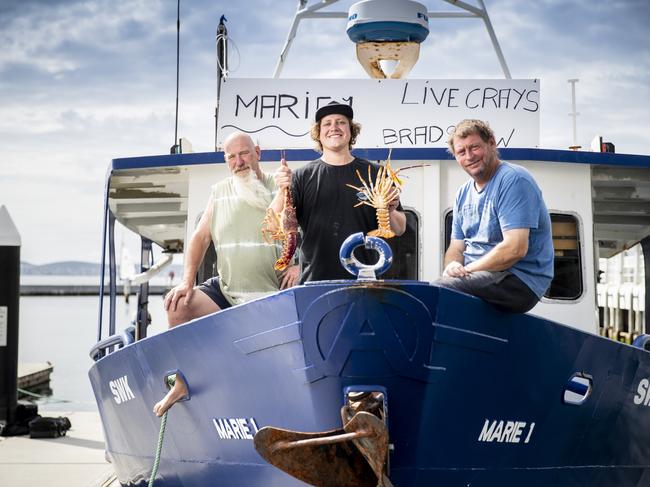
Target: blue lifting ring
356,268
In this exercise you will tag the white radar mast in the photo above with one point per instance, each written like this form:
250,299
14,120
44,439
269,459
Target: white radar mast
388,31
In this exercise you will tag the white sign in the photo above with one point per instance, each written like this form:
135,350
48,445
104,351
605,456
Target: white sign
278,113
3,326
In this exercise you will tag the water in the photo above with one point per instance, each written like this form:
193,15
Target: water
62,330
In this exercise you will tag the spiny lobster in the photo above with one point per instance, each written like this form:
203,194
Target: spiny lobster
283,227
386,188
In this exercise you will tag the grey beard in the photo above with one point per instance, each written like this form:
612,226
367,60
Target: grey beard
251,190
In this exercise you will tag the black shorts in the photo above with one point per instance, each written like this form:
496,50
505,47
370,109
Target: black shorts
502,289
212,289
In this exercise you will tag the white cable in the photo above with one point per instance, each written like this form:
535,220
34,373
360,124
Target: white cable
225,38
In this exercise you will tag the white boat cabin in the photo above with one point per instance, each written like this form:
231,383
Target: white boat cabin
162,197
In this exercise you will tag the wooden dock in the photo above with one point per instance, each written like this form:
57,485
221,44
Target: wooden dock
34,377
76,459
32,374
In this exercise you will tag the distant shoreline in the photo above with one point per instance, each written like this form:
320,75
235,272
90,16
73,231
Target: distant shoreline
81,290
76,269
66,285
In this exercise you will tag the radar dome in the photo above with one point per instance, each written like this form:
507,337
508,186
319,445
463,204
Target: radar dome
387,20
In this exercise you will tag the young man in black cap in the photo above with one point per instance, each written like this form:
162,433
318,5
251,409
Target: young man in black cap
324,203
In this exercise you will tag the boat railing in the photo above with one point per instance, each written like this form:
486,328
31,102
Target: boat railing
149,270
147,275
113,342
621,310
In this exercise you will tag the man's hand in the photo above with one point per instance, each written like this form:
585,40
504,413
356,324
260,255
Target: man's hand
505,254
283,175
290,277
183,290
455,269
393,204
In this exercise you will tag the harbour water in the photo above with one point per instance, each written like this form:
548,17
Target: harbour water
62,329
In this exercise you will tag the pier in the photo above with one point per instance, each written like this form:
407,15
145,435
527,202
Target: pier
34,377
76,459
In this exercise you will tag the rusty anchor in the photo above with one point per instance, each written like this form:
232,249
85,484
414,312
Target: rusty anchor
354,456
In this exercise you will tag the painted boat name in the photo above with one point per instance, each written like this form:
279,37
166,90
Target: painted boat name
121,390
642,395
235,428
506,431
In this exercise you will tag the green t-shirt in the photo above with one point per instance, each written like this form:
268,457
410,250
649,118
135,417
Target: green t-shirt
244,260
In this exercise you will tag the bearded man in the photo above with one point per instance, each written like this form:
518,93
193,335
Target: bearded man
232,221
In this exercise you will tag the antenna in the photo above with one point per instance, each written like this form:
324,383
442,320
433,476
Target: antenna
574,114
176,148
222,69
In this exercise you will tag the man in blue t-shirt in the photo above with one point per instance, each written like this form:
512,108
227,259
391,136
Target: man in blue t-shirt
501,247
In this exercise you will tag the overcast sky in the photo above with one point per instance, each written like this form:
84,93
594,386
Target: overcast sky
83,82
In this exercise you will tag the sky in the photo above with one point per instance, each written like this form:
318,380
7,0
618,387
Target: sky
83,82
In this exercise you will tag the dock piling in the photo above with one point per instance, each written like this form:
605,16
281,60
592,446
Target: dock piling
9,299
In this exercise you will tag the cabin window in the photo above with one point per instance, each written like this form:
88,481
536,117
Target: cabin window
567,280
449,217
405,251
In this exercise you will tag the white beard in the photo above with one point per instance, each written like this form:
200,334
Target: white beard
251,190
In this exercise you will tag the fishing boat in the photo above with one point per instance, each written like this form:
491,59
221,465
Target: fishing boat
385,378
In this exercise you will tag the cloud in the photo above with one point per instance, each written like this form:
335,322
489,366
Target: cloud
82,82
84,42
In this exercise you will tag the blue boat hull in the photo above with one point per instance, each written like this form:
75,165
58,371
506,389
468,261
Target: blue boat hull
475,396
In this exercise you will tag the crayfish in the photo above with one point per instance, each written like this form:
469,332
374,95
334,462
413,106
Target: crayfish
386,188
283,227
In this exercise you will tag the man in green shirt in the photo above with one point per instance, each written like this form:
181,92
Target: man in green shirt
232,220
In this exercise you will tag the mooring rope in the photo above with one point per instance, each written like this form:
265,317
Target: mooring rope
48,398
170,380
161,436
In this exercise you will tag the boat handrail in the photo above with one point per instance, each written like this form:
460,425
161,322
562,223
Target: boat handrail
153,271
120,340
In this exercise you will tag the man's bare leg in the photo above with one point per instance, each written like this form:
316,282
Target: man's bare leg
200,305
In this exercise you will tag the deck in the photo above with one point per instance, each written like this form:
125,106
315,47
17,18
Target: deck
76,459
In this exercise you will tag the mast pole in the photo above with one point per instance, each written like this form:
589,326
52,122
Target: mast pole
574,114
482,13
222,70
301,12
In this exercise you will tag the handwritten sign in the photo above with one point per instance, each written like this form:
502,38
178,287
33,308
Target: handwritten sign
278,113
